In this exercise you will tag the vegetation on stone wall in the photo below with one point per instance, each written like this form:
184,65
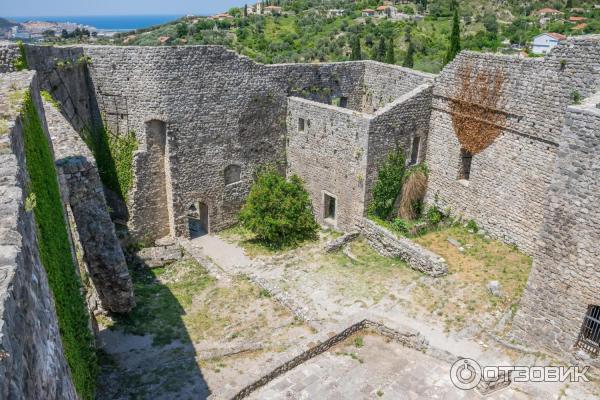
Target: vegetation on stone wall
56,256
413,192
476,117
388,184
114,157
278,211
20,63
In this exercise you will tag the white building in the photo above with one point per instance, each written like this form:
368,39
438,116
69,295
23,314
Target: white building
335,13
545,42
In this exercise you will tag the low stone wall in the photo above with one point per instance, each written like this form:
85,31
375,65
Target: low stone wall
387,244
82,190
408,339
32,364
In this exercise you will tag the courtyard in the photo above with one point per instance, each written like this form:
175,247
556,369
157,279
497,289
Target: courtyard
230,311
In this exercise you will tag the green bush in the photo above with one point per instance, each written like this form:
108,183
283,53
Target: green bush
388,185
279,212
435,216
21,62
55,254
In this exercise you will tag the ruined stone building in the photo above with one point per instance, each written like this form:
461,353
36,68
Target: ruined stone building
510,143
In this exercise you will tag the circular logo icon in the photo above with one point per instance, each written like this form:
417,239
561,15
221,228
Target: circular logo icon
465,374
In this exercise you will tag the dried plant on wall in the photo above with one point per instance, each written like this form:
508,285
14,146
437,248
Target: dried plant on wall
476,117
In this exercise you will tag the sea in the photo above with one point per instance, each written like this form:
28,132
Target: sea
107,22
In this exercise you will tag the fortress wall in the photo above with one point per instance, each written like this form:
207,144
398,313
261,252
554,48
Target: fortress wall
565,278
508,179
396,126
63,73
330,156
385,83
82,191
9,53
218,109
32,364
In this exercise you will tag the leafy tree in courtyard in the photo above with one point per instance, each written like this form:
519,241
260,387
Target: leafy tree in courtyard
390,57
356,52
278,211
388,185
454,48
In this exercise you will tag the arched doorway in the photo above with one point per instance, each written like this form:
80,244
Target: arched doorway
197,216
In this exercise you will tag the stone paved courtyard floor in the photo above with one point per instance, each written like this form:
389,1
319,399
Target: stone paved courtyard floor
377,369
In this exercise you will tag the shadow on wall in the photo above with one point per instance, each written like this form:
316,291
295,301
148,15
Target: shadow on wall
148,354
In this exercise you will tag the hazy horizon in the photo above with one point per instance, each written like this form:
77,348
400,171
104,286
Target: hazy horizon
113,8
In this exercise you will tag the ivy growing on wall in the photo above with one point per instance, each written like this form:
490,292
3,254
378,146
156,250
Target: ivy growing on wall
114,157
55,254
476,117
388,184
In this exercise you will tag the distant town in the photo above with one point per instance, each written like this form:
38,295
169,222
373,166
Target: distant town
43,30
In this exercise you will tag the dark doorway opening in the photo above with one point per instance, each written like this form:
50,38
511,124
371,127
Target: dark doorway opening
466,159
329,207
414,153
197,220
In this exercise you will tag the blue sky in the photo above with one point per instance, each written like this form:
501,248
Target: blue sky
114,7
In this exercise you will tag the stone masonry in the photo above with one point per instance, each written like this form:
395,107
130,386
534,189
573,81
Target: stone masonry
565,278
32,363
82,192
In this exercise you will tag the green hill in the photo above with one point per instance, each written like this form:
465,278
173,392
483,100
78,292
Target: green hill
305,33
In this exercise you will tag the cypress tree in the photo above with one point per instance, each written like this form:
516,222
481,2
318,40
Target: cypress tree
390,57
356,52
409,61
454,48
381,50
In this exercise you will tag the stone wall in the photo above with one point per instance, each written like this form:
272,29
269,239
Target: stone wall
9,53
387,244
509,179
82,191
385,83
330,156
565,278
32,364
396,126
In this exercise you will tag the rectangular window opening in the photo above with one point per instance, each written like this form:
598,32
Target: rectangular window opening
465,165
414,153
301,124
589,336
329,207
343,102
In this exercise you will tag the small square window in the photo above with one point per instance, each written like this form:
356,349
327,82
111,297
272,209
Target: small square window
301,124
589,336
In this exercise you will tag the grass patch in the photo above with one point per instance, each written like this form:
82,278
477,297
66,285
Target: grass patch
114,156
55,254
463,294
160,307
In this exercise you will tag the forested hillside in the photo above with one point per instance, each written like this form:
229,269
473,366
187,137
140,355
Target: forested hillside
418,35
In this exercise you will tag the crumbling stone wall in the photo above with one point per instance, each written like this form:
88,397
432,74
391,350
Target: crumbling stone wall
565,278
509,179
385,83
9,53
32,363
82,191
